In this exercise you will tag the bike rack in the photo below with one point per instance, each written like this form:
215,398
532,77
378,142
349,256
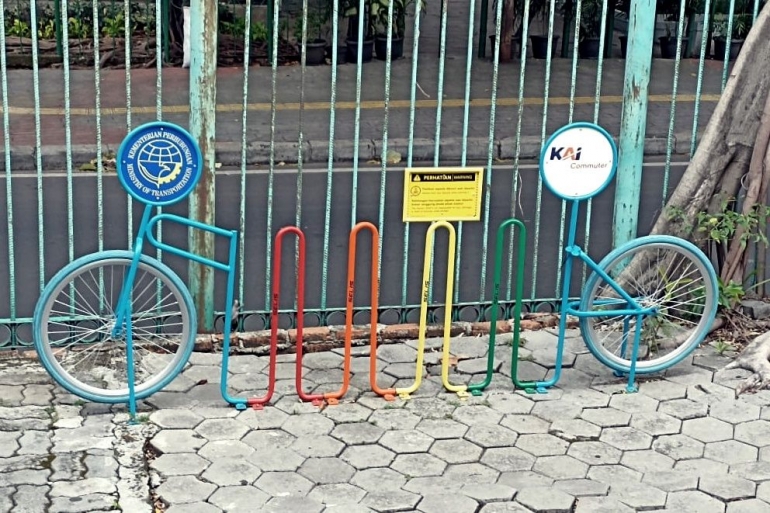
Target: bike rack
390,393
477,388
404,393
229,269
258,403
460,390
316,399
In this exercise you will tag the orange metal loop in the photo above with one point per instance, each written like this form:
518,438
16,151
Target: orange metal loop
390,393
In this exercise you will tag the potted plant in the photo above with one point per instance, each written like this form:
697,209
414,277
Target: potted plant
668,43
590,29
317,17
379,13
350,11
741,26
540,41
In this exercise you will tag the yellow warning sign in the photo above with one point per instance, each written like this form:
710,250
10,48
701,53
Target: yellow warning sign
442,193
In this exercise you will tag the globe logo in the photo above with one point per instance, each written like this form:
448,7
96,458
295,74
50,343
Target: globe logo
160,162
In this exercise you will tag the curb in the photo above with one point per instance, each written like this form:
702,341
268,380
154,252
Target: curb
230,154
326,338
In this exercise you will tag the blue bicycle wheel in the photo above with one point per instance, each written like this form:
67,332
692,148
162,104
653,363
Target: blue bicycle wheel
74,319
667,273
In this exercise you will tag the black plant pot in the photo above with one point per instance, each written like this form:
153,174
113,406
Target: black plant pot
351,55
589,48
315,52
515,47
341,54
540,46
668,46
623,46
381,47
720,46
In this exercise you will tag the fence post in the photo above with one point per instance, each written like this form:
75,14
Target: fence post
203,98
633,123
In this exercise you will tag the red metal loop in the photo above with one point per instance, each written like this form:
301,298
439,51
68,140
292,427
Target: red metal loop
300,302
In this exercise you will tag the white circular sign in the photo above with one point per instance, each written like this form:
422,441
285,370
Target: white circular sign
578,161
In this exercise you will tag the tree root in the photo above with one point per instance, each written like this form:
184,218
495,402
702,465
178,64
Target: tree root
755,359
674,342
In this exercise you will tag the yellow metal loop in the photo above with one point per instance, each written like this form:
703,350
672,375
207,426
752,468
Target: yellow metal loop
404,392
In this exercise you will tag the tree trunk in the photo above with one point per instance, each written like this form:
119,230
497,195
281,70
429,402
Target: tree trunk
725,150
733,152
507,30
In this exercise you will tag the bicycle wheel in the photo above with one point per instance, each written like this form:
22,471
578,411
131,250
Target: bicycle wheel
75,315
664,272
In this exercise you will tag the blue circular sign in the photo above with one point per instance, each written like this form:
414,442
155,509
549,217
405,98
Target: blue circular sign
159,163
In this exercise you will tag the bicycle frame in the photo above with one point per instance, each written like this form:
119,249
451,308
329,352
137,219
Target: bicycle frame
123,311
571,307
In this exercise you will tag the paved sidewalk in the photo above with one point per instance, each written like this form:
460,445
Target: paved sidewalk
683,444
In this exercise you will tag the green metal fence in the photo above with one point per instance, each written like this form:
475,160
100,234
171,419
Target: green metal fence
308,111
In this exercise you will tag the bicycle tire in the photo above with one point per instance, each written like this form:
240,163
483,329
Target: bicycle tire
710,302
68,275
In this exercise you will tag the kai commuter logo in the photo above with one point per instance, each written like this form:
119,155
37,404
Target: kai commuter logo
565,153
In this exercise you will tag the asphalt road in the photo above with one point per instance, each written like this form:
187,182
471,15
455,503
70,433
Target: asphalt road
313,209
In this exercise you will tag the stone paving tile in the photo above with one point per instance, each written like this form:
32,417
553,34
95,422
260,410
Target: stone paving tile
681,444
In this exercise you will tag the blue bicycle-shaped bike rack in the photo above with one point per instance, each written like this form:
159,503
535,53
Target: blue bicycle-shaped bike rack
117,326
650,302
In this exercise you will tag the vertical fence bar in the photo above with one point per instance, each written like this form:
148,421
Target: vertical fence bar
64,15
99,159
159,24
633,123
674,89
385,124
410,151
127,37
301,136
274,12
491,144
8,181
38,144
330,161
440,103
701,64
515,192
203,97
728,40
298,251
362,25
570,117
605,38
244,126
546,91
464,160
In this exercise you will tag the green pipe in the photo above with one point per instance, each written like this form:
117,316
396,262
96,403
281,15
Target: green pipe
483,29
57,25
164,27
203,103
633,122
476,388
610,34
270,10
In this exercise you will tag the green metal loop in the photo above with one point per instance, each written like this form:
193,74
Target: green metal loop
474,387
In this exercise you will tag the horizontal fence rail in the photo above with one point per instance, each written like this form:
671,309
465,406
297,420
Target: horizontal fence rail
321,104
